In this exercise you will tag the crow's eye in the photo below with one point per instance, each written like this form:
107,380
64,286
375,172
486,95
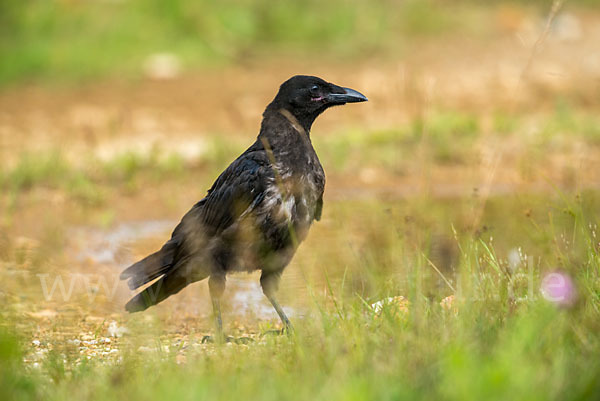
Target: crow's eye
314,90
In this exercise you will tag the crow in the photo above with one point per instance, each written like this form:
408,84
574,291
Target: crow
256,213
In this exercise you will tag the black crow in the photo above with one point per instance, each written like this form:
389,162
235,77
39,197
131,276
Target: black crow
258,210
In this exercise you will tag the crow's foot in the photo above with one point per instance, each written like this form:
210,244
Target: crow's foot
289,330
227,339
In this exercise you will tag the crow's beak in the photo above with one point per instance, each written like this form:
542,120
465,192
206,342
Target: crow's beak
346,95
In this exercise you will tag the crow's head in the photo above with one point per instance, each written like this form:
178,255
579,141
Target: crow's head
306,97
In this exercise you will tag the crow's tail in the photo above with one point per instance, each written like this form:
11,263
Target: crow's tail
159,291
151,266
161,263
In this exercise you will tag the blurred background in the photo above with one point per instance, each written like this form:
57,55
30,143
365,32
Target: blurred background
182,81
482,127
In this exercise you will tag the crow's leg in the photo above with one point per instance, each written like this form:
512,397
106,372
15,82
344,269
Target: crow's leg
286,322
216,286
269,283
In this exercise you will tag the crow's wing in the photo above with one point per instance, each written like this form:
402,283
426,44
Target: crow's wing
237,191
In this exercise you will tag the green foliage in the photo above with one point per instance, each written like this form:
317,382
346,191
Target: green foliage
72,40
568,122
86,183
451,136
34,170
55,40
489,345
14,382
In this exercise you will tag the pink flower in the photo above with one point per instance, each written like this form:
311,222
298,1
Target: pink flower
558,288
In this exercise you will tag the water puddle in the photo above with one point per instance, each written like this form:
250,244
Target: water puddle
106,246
111,247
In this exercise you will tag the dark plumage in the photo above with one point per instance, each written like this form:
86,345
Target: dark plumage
258,210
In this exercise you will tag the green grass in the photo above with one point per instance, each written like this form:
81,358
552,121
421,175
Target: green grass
494,347
531,355
56,41
84,183
504,340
